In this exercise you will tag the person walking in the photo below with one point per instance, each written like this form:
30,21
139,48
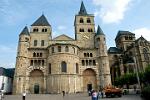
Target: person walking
23,95
94,95
63,93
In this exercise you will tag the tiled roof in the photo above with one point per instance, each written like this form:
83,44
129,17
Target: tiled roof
41,21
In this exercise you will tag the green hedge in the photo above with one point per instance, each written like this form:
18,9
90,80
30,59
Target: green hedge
146,93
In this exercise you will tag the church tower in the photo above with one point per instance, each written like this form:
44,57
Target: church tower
84,27
41,33
104,70
21,61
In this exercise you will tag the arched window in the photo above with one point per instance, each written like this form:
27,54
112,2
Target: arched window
34,54
63,66
90,62
40,54
91,55
98,39
86,62
81,30
49,68
94,63
42,42
35,42
85,55
73,50
77,68
59,48
66,49
145,52
83,63
81,20
90,30
42,62
52,49
31,63
37,54
35,30
88,20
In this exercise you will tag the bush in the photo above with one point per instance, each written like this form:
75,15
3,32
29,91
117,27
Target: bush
146,93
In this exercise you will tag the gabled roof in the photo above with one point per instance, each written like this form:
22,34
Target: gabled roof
82,9
114,50
41,21
141,39
123,33
99,31
63,37
25,31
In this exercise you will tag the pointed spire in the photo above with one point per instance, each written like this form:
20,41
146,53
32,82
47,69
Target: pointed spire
41,21
99,31
82,9
25,31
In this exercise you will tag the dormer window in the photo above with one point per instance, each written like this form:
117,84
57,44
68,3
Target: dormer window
35,30
81,20
88,20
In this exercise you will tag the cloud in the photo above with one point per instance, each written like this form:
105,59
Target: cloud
145,32
111,11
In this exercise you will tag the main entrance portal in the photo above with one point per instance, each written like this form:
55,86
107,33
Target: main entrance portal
89,79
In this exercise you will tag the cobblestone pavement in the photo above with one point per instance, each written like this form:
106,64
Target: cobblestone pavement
82,96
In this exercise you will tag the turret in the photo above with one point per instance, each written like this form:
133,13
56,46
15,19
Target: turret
104,70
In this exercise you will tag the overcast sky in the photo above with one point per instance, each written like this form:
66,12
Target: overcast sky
111,15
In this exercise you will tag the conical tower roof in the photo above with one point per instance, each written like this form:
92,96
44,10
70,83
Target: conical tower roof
99,31
82,9
41,21
25,31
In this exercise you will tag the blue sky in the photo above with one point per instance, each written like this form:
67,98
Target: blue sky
111,15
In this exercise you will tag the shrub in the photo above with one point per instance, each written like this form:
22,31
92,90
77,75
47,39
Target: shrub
146,92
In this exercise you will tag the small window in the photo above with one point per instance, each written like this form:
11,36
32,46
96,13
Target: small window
88,20
35,42
59,48
40,54
52,49
98,39
91,55
85,55
126,37
44,30
37,54
86,62
49,68
81,30
34,54
73,50
63,66
81,20
66,49
90,30
42,62
42,42
35,30
94,63
83,63
31,63
90,62
77,68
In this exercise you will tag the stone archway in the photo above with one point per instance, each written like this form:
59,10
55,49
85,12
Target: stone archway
89,79
36,81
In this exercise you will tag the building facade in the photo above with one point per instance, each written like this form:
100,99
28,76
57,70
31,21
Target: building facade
51,65
130,55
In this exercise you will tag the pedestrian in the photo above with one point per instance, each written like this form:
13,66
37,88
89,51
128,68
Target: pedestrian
102,94
63,93
24,95
94,95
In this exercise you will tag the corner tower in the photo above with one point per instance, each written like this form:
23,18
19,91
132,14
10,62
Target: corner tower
84,27
103,61
21,61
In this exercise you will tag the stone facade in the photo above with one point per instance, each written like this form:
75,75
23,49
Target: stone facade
51,65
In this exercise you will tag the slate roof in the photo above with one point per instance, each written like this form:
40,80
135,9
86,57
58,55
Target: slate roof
41,21
25,31
99,31
114,50
63,37
82,9
9,72
123,33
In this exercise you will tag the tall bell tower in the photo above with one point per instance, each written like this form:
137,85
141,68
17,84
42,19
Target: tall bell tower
84,27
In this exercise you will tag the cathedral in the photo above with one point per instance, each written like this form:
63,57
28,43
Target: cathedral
51,65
